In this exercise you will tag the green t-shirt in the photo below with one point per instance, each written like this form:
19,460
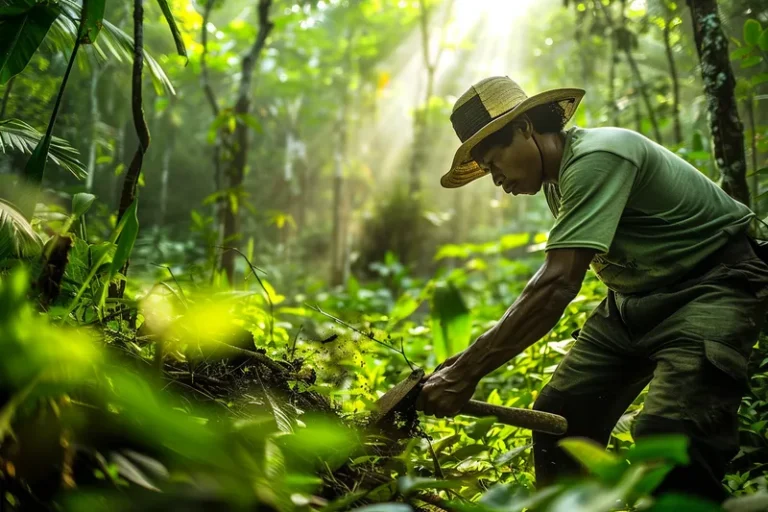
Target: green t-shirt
650,215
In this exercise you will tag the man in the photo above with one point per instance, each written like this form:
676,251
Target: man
686,293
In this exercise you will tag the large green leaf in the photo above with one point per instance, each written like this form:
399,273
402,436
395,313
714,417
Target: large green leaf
606,466
102,256
752,30
451,323
20,36
126,232
16,8
17,135
17,238
672,502
91,21
180,48
404,307
127,238
762,41
668,448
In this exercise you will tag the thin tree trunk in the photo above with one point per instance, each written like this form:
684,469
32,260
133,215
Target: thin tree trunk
220,205
675,81
753,141
165,175
91,166
612,85
638,116
6,96
640,84
338,191
421,117
236,172
622,37
719,83
204,78
301,198
129,192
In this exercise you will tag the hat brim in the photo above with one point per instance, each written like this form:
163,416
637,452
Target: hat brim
465,170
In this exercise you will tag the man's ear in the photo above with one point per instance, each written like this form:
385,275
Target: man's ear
527,127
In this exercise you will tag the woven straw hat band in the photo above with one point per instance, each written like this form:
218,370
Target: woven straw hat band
483,103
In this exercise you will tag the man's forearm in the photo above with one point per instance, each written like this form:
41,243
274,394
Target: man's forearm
531,317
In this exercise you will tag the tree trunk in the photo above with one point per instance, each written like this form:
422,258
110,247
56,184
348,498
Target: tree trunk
91,166
719,83
337,268
638,115
219,206
640,84
675,81
612,86
128,194
236,172
421,134
622,40
165,175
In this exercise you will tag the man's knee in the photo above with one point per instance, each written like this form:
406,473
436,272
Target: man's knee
709,452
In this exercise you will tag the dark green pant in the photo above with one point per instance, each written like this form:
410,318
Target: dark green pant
691,342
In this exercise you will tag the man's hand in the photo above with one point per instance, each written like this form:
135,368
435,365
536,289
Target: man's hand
447,390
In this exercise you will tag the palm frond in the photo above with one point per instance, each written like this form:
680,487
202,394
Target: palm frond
112,43
17,238
16,135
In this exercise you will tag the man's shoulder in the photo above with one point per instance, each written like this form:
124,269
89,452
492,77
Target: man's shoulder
618,142
609,139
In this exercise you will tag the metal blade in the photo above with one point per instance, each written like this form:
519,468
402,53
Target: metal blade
390,400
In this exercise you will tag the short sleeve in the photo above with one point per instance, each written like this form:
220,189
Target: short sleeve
594,191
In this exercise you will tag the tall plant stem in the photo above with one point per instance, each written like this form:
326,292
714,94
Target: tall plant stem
128,194
236,171
6,96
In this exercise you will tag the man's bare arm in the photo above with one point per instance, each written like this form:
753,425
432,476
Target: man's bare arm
532,316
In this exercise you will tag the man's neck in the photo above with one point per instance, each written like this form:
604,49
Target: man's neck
551,146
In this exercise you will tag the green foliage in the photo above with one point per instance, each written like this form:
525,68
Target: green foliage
177,39
451,323
146,370
23,27
92,20
18,240
18,136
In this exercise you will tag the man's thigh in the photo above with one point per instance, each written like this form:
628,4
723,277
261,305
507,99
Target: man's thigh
602,362
701,353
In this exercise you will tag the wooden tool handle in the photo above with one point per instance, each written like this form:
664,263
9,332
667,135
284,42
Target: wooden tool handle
525,418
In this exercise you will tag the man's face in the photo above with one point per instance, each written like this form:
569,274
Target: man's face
515,167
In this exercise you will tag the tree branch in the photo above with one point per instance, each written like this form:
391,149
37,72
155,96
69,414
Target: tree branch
204,78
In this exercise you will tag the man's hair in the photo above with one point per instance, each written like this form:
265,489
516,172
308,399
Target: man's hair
547,118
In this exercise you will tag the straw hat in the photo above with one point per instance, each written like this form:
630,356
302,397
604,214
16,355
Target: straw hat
487,107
